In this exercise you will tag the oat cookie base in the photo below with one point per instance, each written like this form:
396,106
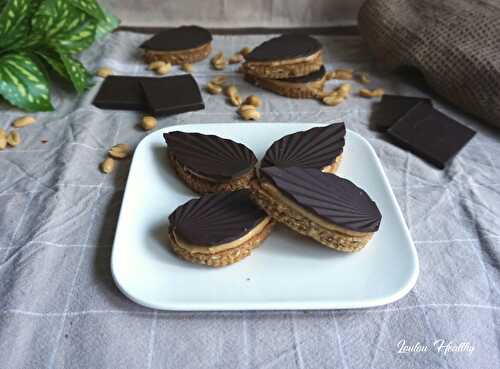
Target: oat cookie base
285,68
301,221
179,57
202,186
295,90
334,166
225,257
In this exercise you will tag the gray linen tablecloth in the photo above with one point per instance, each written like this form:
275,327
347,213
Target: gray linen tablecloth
59,308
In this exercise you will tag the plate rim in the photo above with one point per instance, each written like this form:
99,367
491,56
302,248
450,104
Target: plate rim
268,306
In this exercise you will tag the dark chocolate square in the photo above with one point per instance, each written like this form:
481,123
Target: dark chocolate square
393,107
172,95
430,134
121,93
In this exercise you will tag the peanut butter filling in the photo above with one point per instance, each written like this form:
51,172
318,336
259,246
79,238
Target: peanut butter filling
279,197
304,59
198,249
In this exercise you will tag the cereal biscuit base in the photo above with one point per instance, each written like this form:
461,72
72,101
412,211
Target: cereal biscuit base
334,166
225,257
285,68
339,238
306,90
179,57
202,186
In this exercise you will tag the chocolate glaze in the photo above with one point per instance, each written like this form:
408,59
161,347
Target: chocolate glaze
335,199
210,156
285,47
216,219
315,148
311,77
181,38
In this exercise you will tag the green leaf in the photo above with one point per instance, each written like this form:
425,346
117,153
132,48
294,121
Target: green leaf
53,59
79,76
64,26
90,7
15,23
23,82
109,24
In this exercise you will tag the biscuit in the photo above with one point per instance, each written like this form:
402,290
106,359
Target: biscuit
208,163
218,229
283,57
181,45
329,209
304,87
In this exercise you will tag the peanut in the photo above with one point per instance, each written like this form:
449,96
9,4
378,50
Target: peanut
236,59
235,100
249,112
156,64
3,139
345,74
245,51
148,123
231,91
24,121
108,165
218,61
187,67
104,72
120,151
333,99
330,75
219,80
14,138
253,100
164,69
344,90
214,89
371,93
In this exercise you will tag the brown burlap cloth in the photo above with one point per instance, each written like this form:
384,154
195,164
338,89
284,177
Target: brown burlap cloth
455,44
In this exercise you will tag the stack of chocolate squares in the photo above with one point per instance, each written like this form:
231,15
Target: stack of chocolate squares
415,125
290,65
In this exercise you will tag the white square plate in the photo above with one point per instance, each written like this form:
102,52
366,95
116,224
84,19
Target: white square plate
287,271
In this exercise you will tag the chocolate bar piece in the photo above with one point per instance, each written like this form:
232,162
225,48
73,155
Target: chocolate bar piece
172,95
121,93
430,134
393,107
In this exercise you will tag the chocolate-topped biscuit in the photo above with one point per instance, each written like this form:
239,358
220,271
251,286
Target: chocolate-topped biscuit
302,87
218,229
330,209
185,44
209,163
319,148
284,57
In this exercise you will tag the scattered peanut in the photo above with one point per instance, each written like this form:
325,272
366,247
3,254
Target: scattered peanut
218,61
235,100
187,67
219,80
3,139
320,94
371,93
245,51
330,75
120,151
364,78
164,69
24,121
156,64
333,99
344,90
104,72
214,89
249,112
148,123
236,59
345,74
14,138
231,91
108,165
253,100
